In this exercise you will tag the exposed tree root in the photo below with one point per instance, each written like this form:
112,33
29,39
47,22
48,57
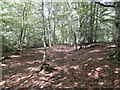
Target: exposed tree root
44,66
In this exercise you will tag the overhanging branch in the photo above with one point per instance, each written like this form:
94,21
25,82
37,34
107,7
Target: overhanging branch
105,5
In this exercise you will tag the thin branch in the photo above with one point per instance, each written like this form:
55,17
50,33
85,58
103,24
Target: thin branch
105,5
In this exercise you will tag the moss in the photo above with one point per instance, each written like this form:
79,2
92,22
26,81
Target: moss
47,67
114,57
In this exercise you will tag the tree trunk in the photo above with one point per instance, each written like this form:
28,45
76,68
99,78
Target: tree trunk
96,25
90,39
117,9
49,28
62,34
22,29
75,43
44,32
54,26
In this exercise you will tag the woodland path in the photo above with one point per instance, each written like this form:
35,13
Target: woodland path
85,68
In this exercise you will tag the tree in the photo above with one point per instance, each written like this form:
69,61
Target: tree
44,32
116,6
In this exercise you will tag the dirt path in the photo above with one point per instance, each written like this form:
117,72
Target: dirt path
84,68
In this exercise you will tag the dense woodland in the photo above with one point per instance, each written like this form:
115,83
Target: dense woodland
44,36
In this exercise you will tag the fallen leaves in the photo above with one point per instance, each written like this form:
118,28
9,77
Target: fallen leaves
74,69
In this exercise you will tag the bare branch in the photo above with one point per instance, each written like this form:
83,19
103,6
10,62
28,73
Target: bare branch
105,5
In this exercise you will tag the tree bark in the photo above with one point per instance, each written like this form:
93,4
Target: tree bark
117,9
75,42
44,32
49,27
22,29
96,25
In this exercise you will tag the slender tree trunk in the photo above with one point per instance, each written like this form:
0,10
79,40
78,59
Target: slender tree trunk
62,34
24,33
54,26
90,39
44,32
22,29
71,26
28,41
96,26
75,42
49,29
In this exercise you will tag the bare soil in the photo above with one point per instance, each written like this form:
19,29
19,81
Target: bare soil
85,68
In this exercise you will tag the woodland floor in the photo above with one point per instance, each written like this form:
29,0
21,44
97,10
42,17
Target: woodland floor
85,68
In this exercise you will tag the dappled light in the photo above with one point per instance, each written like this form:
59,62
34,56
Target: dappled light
72,69
100,58
59,46
14,56
93,51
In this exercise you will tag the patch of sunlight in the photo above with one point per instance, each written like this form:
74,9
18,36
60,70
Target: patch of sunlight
32,62
76,84
104,53
64,78
19,74
65,70
106,66
58,68
33,69
100,83
62,50
18,64
22,78
100,58
15,56
90,59
94,74
2,83
94,51
117,70
83,85
41,51
28,54
75,67
89,74
53,60
85,65
35,53
99,69
112,46
37,82
66,57
59,84
2,65
51,74
58,58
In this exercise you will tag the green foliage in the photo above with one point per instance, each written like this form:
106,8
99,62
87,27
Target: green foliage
68,18
7,46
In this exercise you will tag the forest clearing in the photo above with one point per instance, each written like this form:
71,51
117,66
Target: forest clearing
59,45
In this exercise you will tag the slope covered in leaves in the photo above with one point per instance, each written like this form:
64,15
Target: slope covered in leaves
85,68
